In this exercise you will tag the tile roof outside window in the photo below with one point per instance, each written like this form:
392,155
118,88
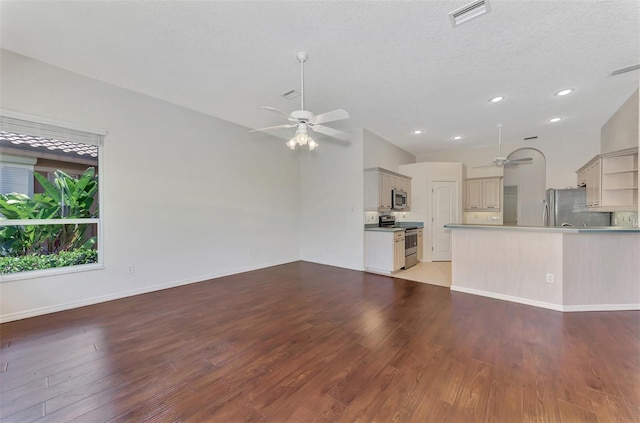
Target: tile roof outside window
50,144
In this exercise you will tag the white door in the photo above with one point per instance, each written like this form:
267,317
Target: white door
444,197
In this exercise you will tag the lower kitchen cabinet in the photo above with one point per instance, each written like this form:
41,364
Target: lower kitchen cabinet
383,251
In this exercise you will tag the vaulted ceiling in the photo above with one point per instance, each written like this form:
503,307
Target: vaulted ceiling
394,66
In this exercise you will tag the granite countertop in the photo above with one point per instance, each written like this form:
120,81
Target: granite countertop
563,229
400,226
377,229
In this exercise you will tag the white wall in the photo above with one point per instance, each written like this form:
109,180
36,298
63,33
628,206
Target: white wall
379,152
423,175
331,192
187,197
564,154
621,130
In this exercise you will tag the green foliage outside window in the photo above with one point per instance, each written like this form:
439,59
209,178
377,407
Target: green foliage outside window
66,198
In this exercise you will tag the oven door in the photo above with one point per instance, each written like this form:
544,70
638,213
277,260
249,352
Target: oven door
410,248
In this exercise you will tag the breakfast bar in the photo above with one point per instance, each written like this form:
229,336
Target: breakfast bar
559,268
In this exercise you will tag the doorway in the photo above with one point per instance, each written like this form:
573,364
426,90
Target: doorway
510,215
444,198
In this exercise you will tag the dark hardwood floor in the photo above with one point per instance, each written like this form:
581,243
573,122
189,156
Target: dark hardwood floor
308,343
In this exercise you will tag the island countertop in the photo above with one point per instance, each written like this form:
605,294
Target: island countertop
547,229
564,269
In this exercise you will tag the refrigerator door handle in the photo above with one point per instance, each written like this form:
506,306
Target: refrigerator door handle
545,213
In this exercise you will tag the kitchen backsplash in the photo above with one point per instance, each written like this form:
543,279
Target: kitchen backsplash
372,216
625,219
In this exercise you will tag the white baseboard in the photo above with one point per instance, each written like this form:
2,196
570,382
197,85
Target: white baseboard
377,271
601,307
542,304
123,294
550,306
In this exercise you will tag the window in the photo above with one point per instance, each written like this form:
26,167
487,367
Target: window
50,208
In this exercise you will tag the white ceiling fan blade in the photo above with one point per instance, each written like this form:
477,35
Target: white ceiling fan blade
275,110
330,131
525,159
331,116
271,128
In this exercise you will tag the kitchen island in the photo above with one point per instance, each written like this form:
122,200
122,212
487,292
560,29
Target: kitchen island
559,268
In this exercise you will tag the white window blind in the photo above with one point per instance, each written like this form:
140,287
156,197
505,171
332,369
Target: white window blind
16,179
47,130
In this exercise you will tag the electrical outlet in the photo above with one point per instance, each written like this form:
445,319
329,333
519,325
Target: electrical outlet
130,268
550,277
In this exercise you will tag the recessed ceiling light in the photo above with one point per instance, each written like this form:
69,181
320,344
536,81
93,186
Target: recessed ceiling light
496,99
418,131
564,92
457,137
555,119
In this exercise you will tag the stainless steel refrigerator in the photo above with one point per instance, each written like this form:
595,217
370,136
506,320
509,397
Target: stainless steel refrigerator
568,207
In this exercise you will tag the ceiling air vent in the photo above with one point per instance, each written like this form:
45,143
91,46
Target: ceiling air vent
468,12
290,95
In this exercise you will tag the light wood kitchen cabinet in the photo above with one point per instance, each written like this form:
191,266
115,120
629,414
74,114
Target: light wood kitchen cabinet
420,245
383,251
612,181
398,251
593,184
378,185
483,194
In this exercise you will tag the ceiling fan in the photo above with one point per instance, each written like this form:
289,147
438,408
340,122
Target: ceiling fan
500,160
304,119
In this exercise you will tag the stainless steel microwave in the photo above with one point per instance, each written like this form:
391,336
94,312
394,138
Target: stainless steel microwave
398,199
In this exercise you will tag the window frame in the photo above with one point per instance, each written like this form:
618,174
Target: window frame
38,122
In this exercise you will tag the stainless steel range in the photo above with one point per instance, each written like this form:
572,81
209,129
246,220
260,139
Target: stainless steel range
410,238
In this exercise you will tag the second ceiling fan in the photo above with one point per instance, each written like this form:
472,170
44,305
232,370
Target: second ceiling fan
500,160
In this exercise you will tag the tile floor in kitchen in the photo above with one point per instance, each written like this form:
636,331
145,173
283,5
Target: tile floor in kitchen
434,273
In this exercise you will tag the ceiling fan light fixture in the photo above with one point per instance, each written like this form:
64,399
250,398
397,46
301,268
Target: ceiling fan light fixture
312,144
301,137
291,144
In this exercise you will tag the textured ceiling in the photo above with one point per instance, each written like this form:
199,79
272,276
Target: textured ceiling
394,66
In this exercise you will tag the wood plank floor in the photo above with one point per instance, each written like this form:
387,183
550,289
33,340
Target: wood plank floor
309,343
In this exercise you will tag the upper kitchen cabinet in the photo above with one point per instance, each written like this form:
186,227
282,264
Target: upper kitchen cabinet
482,194
612,181
378,187
590,176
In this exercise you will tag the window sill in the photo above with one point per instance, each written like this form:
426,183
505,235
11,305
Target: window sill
33,274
